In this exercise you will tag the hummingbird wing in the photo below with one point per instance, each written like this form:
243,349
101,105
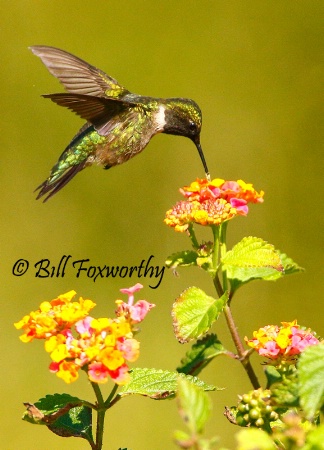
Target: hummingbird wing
99,111
76,75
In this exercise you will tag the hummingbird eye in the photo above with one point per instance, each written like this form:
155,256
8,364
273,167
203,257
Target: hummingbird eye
192,127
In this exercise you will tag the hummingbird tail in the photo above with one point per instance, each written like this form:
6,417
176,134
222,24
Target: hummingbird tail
54,187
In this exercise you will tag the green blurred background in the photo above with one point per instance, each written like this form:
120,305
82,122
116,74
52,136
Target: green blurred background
256,70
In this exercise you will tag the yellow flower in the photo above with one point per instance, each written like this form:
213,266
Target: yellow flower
53,317
111,358
68,371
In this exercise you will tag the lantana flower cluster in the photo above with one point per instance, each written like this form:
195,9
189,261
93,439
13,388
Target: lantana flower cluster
282,343
212,203
101,347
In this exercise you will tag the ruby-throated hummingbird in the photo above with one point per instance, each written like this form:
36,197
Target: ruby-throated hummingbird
119,124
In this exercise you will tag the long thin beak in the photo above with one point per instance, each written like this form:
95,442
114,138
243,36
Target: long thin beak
202,157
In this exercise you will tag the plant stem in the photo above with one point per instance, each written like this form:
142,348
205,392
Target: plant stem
243,355
192,235
222,245
101,411
216,235
111,395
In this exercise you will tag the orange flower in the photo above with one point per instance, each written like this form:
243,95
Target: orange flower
102,347
211,203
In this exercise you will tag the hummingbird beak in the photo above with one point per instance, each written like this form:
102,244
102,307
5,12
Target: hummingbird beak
202,156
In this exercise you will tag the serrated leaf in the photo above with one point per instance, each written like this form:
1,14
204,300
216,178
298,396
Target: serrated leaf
53,403
194,405
77,423
252,252
311,379
201,353
62,414
252,439
184,258
193,313
241,275
252,258
289,265
157,384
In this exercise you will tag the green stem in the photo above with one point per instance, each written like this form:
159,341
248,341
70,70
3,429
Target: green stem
217,283
216,235
218,286
192,236
111,395
222,245
101,411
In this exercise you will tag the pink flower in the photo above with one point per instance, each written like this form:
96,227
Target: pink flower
282,343
270,349
131,291
83,326
134,313
129,348
139,310
120,375
98,372
240,205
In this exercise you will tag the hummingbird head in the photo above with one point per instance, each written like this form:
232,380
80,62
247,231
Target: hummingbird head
183,118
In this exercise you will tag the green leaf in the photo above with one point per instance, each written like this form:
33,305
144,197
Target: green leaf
273,376
194,405
311,378
194,312
53,403
252,252
252,439
77,423
62,414
184,258
289,265
201,353
157,384
252,258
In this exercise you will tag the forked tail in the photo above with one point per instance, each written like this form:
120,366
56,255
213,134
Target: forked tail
57,185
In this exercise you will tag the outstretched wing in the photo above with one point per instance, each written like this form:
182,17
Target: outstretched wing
76,75
99,111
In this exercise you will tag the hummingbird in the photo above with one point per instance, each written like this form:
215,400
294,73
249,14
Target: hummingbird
119,124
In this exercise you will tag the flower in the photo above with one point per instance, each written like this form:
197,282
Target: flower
202,190
101,347
211,203
282,343
54,316
133,313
